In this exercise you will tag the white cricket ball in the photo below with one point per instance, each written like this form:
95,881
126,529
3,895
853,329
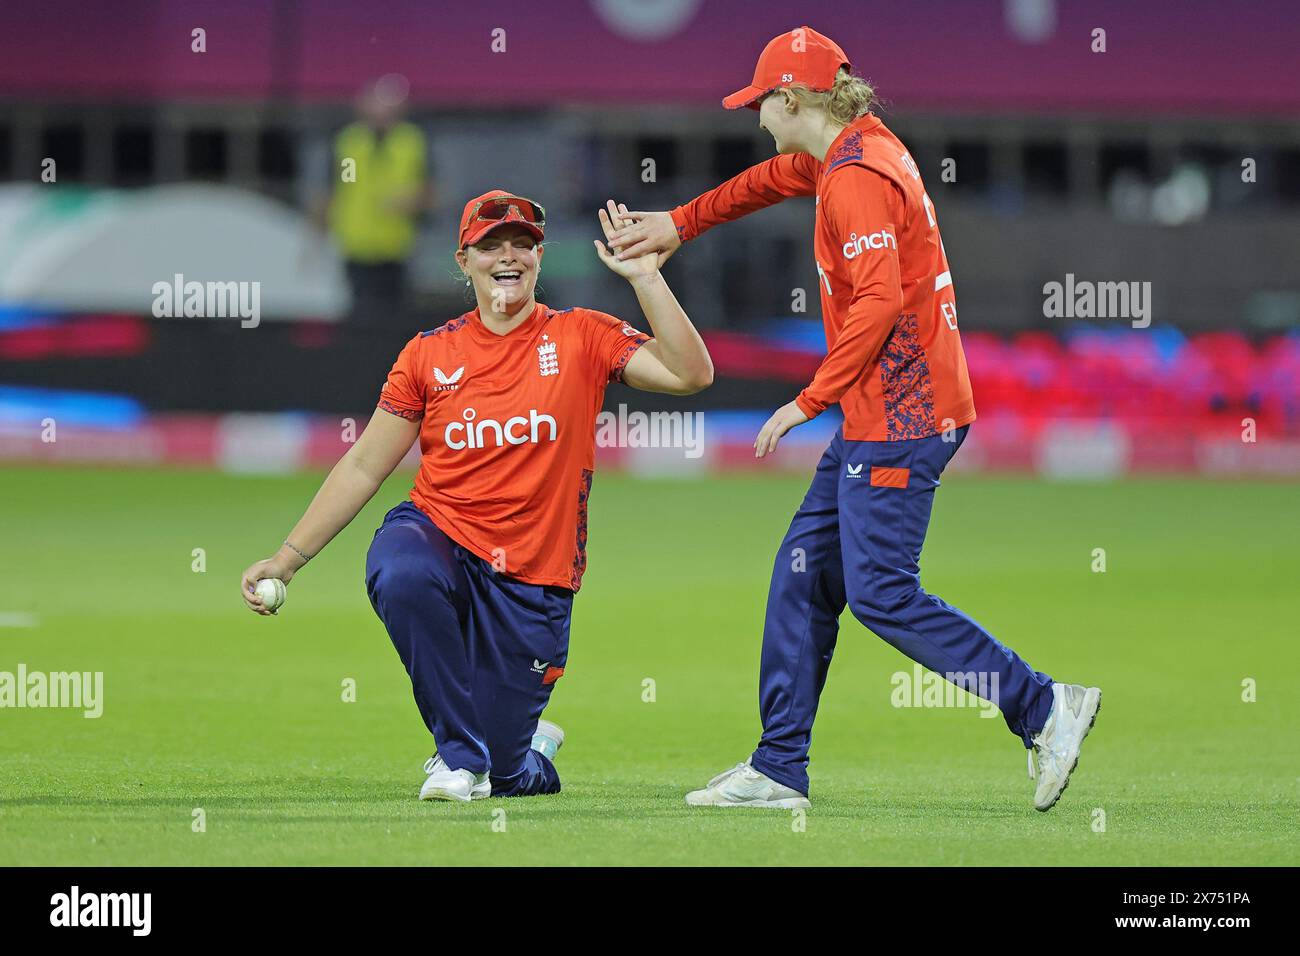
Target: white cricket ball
271,591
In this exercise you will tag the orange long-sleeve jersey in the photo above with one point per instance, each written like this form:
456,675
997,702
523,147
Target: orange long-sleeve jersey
894,360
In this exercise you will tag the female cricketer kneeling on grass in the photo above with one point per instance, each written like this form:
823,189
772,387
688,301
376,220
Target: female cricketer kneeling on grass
474,576
895,365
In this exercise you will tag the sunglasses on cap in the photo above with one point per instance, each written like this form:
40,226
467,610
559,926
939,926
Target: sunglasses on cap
499,207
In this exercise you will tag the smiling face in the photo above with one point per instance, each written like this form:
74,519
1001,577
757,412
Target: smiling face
503,268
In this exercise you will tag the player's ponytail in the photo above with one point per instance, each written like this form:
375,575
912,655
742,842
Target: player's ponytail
850,97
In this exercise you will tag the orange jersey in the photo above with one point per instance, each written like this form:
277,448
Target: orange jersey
508,432
894,360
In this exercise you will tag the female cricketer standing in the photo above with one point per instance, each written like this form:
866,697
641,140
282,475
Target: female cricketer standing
474,576
895,365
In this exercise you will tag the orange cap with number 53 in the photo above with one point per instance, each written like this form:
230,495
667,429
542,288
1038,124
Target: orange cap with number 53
801,56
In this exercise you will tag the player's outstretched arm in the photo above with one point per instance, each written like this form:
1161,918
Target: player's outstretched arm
351,483
758,187
675,361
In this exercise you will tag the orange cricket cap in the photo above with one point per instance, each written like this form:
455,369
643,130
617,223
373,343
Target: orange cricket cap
801,56
496,207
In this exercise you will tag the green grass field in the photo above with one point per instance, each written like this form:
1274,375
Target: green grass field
208,706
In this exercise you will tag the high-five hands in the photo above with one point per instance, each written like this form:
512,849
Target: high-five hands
629,267
642,232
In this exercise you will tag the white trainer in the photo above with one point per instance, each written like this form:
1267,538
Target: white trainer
1074,709
743,786
443,783
548,738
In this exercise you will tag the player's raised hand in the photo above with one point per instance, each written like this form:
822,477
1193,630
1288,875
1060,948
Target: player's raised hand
783,419
629,267
642,232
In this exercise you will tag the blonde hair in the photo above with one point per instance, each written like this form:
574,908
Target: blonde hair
850,97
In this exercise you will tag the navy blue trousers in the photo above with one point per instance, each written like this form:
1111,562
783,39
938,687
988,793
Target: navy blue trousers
483,650
856,542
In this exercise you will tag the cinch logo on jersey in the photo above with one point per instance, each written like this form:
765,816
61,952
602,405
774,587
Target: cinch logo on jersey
486,432
884,239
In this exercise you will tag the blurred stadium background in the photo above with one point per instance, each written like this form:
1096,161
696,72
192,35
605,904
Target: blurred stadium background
1172,158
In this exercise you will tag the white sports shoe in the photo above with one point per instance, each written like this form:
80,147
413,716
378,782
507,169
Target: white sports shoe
444,783
743,786
547,739
1074,709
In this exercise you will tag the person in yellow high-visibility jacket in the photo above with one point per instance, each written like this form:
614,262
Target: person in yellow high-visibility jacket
380,187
